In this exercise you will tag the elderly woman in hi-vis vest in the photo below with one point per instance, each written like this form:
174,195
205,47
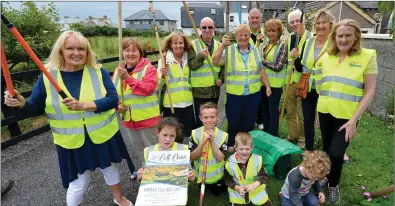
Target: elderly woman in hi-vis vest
348,83
244,75
140,108
84,125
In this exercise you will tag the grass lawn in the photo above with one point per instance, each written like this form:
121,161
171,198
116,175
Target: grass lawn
372,153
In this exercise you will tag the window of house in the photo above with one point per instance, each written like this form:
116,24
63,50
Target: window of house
144,22
136,22
213,11
231,18
191,11
161,22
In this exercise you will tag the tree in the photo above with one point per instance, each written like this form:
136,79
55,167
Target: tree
38,26
387,6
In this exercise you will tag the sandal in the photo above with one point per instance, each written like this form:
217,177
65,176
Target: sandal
130,203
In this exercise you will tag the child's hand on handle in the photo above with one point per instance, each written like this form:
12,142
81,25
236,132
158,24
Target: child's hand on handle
10,101
206,136
191,175
321,198
241,189
253,186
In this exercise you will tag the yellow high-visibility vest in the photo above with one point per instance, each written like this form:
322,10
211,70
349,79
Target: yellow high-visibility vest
276,79
259,196
68,126
139,107
295,75
308,61
237,73
343,83
215,170
204,76
179,85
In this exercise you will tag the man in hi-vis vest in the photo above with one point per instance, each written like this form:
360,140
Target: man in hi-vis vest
294,103
257,38
207,79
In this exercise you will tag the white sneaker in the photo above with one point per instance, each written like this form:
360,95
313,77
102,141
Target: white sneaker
260,126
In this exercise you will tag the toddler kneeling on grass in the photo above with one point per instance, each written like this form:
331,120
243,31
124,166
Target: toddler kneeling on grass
296,189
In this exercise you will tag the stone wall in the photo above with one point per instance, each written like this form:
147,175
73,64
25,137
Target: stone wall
386,74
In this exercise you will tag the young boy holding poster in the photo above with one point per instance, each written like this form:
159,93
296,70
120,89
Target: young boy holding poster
245,175
217,140
167,131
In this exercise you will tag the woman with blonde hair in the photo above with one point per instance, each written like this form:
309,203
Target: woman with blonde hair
244,75
84,125
141,106
177,54
348,83
312,51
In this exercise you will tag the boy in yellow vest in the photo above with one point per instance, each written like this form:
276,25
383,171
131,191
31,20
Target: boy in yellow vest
217,141
245,175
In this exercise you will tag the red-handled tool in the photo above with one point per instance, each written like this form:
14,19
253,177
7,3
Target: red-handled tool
32,55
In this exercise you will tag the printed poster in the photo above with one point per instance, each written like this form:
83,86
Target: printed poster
165,179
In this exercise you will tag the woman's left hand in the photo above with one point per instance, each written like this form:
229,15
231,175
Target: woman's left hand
268,91
351,129
73,104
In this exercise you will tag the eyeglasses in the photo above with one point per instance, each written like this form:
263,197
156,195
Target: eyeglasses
205,27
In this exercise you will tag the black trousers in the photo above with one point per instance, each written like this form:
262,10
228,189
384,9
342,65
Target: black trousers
309,106
198,102
185,117
271,113
334,144
262,106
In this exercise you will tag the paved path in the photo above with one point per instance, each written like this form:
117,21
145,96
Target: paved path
33,165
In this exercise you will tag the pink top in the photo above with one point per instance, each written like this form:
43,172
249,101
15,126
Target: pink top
143,88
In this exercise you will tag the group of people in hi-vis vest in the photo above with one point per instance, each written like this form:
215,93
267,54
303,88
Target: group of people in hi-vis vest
85,128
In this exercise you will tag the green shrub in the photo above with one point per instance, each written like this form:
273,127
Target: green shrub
92,31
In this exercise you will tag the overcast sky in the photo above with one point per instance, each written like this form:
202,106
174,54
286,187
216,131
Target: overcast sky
99,9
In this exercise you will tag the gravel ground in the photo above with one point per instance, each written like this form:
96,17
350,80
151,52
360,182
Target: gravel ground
33,165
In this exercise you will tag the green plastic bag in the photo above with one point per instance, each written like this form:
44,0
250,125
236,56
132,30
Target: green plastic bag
271,148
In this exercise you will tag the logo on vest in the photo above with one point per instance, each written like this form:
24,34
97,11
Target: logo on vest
354,64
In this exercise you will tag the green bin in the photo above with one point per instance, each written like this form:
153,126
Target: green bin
276,152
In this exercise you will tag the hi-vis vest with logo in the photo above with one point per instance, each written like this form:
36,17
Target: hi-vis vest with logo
236,71
155,148
179,85
296,75
259,196
68,126
215,170
139,107
343,83
308,61
276,79
204,76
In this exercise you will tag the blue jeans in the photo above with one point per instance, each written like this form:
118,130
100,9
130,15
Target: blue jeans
309,199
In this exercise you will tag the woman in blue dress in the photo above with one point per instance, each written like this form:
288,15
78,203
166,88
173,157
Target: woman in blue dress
84,125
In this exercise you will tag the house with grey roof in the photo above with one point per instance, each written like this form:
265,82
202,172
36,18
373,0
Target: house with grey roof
198,12
142,20
68,21
99,21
